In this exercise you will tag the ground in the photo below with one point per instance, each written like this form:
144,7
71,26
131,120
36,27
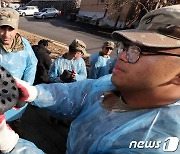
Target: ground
56,48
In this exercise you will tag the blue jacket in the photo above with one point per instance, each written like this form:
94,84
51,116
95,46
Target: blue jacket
61,63
99,66
21,64
97,130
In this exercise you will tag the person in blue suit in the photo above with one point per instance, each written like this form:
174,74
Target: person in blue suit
101,62
70,67
16,54
134,110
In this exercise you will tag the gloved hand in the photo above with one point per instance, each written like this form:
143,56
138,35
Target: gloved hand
26,92
73,75
67,76
8,138
20,104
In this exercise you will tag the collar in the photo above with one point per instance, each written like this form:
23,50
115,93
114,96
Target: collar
16,46
112,101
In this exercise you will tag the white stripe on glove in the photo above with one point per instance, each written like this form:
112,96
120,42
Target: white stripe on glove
8,138
27,92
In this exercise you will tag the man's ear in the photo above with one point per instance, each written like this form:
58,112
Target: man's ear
176,80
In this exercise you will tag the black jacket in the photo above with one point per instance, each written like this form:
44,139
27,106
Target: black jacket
44,62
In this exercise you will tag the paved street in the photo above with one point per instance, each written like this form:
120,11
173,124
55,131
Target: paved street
64,31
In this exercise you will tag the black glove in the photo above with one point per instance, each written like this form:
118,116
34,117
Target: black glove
66,76
20,104
9,92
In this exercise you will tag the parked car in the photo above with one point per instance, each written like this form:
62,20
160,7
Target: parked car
27,10
47,13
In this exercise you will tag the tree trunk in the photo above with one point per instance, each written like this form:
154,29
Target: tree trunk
116,21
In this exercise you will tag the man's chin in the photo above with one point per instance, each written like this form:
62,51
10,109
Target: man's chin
116,79
113,78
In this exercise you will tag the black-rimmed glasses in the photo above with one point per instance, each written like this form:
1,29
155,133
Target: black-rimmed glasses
134,52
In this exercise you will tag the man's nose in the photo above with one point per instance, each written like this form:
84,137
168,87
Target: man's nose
123,56
6,32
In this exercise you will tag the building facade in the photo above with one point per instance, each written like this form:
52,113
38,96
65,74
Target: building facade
118,13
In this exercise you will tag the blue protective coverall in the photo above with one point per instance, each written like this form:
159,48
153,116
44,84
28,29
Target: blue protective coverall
97,130
99,66
21,64
61,63
25,147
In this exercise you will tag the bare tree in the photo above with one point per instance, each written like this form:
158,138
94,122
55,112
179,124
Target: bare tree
138,8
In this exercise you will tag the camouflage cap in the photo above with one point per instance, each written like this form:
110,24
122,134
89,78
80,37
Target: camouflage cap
79,45
9,17
108,44
158,28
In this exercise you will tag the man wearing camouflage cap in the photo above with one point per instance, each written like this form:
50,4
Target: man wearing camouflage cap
136,110
100,62
17,56
71,66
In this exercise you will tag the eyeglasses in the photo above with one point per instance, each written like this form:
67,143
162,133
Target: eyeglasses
134,52
109,48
